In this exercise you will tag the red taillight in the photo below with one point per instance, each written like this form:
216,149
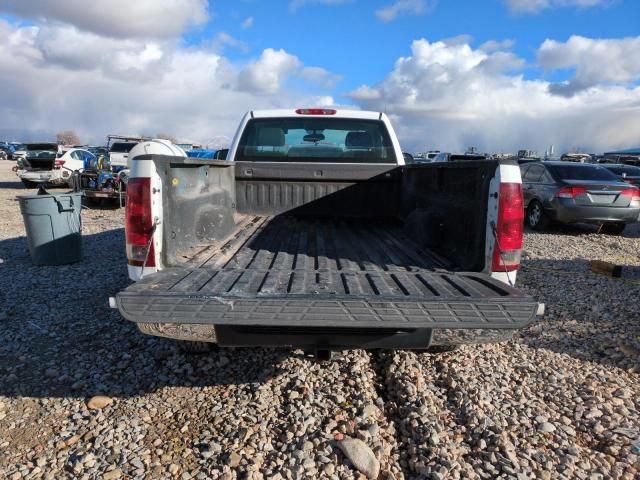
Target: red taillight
315,111
58,163
506,251
571,192
630,192
634,194
139,223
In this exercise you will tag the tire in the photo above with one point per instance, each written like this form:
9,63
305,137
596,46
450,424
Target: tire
29,184
194,347
536,217
613,228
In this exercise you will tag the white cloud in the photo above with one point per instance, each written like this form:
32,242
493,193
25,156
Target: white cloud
223,40
536,6
404,7
265,75
453,96
493,45
247,23
116,18
67,47
296,4
596,61
64,78
320,76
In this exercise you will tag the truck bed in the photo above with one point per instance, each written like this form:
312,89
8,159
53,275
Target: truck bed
293,271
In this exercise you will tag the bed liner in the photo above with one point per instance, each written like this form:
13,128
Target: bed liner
291,271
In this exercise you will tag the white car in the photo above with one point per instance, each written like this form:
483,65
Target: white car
55,171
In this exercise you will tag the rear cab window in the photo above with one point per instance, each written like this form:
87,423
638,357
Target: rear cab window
122,147
329,140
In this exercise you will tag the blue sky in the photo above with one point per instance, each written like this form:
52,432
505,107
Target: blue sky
348,39
500,75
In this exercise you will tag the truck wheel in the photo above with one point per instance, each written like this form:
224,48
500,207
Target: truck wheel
29,184
188,346
536,218
614,228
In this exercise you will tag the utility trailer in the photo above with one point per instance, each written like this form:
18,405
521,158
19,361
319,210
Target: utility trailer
105,179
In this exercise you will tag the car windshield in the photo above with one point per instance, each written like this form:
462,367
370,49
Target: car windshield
334,140
122,147
581,172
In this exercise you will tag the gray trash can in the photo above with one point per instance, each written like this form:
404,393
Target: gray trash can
53,225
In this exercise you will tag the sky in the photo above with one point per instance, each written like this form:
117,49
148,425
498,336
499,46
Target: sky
499,75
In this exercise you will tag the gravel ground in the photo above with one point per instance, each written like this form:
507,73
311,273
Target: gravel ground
559,401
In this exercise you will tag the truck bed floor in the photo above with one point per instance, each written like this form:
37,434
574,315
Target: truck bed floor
291,271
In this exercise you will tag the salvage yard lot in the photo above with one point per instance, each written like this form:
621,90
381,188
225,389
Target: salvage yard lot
561,400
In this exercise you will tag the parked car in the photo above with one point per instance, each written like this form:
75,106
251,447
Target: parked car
577,193
455,157
119,147
626,173
5,153
425,157
54,168
19,151
621,159
317,234
577,158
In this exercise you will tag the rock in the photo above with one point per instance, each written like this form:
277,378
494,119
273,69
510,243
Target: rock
174,469
361,456
99,401
234,460
546,427
370,411
294,395
112,474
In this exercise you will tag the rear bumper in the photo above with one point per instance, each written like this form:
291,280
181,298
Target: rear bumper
42,176
324,338
588,214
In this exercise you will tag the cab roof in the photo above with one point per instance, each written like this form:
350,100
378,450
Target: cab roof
345,113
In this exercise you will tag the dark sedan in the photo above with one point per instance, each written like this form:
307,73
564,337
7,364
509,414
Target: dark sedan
577,193
626,173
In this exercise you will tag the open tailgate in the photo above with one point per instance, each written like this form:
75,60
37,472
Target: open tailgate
309,298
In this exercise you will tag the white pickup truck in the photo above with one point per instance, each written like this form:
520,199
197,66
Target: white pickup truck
315,234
